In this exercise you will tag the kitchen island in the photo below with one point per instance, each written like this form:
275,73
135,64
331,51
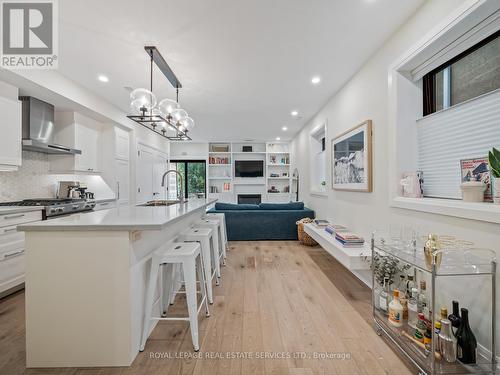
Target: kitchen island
86,280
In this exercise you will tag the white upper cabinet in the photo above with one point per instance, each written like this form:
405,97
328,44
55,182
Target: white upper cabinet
82,133
10,141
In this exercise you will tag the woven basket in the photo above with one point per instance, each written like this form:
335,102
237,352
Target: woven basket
304,238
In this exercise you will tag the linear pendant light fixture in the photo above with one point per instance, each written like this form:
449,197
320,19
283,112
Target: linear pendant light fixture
165,118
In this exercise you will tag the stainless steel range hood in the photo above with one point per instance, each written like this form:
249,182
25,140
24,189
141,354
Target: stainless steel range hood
38,128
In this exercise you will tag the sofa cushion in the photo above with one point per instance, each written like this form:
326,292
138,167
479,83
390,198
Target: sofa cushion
235,207
282,206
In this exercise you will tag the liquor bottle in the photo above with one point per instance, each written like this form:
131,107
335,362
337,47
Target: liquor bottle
454,317
383,297
413,309
422,297
396,310
410,284
447,342
421,328
466,341
428,340
403,299
443,313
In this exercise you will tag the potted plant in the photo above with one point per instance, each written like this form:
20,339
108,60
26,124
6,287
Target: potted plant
494,159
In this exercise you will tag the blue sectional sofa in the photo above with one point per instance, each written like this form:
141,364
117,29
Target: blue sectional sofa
266,221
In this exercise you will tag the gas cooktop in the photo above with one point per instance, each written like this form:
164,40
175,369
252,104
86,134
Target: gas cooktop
56,206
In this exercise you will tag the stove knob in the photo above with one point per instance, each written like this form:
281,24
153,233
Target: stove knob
60,209
52,210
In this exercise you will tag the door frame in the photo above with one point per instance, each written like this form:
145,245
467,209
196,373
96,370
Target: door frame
186,161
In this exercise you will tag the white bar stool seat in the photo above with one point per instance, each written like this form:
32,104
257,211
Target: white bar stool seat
213,224
188,255
204,236
222,220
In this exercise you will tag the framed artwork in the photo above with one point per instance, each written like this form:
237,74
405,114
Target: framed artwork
352,159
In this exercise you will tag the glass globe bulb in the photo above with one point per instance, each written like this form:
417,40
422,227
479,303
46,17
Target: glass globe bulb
141,99
167,106
188,123
179,114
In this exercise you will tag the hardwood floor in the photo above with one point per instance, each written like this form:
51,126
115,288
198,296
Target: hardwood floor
278,304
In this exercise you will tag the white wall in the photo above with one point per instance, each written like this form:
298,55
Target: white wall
365,96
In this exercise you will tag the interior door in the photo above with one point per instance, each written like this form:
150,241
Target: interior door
144,175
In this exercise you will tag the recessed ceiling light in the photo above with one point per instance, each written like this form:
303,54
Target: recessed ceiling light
278,138
315,80
284,128
294,113
103,78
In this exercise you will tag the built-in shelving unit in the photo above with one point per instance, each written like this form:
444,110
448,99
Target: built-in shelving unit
273,187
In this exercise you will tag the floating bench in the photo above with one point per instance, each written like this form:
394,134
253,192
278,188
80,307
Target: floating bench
356,260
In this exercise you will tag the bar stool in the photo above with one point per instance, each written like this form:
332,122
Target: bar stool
204,236
217,237
222,220
188,255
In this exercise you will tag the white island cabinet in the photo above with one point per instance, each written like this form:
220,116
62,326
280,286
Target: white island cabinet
86,279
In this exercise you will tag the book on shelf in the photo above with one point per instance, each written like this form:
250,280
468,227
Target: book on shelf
321,223
218,160
349,239
335,228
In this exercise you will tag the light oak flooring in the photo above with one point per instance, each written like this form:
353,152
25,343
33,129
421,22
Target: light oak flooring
276,298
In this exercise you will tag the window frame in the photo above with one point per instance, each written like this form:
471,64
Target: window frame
429,79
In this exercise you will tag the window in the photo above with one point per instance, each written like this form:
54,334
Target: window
317,143
471,74
194,178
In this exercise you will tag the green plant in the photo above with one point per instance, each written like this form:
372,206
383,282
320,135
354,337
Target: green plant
494,159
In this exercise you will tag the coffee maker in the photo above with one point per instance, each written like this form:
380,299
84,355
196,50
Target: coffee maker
69,189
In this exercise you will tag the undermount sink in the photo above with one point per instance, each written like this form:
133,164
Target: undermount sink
161,202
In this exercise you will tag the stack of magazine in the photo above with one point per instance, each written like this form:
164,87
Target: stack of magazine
348,239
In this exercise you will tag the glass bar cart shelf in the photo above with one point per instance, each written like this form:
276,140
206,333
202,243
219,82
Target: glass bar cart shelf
449,262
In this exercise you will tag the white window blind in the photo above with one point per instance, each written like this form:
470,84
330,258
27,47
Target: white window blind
465,131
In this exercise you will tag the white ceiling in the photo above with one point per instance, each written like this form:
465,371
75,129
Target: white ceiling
244,65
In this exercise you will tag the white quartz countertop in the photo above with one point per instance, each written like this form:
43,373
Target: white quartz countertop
14,209
121,218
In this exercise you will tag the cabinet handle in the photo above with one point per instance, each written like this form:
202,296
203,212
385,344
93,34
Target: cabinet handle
11,255
118,189
14,216
10,230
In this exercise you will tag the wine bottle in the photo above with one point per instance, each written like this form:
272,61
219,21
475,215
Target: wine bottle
454,317
466,341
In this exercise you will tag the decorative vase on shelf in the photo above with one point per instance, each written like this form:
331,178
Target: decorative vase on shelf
473,191
496,190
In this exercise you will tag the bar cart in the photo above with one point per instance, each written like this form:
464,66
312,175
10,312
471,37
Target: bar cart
448,265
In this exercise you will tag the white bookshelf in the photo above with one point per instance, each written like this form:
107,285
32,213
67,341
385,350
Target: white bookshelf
276,157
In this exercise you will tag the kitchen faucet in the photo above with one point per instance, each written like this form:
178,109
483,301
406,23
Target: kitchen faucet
181,195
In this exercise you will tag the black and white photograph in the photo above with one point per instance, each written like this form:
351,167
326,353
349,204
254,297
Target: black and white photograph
351,159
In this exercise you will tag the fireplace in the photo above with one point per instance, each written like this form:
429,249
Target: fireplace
249,198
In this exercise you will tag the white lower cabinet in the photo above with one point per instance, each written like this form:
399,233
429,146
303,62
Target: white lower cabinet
12,247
